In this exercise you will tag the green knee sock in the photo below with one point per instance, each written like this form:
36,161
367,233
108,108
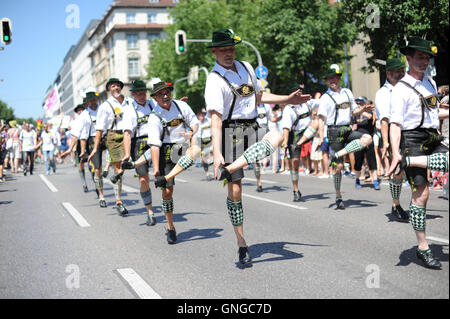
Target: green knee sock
258,151
417,216
185,162
438,162
395,186
235,212
337,181
354,146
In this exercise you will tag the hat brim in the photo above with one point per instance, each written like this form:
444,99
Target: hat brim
140,89
332,74
227,43
109,84
165,87
421,49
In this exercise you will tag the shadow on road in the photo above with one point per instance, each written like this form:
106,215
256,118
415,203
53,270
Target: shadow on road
355,203
409,256
6,202
199,234
307,198
277,248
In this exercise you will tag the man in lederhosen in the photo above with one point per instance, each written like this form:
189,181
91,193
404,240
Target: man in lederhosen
298,128
142,109
395,70
75,132
337,106
114,117
232,94
172,147
414,132
87,122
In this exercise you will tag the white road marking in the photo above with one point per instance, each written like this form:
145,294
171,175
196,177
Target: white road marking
139,286
263,180
76,215
438,239
274,202
47,182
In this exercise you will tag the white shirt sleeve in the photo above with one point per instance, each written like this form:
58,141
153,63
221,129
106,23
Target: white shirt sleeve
214,94
286,120
383,103
398,111
154,131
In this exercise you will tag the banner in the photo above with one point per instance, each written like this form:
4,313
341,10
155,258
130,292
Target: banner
52,103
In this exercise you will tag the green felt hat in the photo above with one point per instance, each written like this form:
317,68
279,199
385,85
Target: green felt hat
79,106
420,44
332,72
224,38
394,64
91,96
138,85
160,86
113,80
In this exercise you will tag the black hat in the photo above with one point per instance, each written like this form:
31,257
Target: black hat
91,96
160,86
113,80
421,45
224,38
79,106
138,85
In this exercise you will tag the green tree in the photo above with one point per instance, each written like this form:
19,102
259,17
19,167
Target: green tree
397,20
6,113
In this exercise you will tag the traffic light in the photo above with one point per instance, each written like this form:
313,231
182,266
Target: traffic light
180,42
6,31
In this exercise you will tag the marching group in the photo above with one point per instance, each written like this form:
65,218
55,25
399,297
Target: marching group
399,136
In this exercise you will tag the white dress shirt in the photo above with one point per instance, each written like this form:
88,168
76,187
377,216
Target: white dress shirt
290,116
141,111
383,101
106,111
327,107
406,107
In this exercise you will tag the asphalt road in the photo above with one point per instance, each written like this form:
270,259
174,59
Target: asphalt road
300,250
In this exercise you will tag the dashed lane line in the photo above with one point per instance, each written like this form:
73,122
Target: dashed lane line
137,284
48,183
79,219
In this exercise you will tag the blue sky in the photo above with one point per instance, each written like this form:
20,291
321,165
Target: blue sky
40,41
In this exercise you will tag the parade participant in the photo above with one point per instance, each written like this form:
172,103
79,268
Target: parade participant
75,132
139,143
88,120
232,93
365,123
298,128
395,70
28,141
264,117
48,142
14,151
114,117
336,108
204,134
173,149
413,132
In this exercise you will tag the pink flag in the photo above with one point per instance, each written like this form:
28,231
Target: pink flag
52,103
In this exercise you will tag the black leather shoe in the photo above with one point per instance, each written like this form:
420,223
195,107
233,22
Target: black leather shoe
128,165
171,236
85,189
121,209
400,214
259,189
115,177
340,203
160,181
151,220
224,173
428,260
102,203
105,174
244,255
297,196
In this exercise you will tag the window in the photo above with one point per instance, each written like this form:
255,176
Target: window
152,36
131,18
152,17
132,39
176,1
153,1
133,67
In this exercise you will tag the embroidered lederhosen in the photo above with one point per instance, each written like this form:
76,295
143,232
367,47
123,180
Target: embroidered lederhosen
238,135
296,135
169,153
97,158
114,138
421,141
